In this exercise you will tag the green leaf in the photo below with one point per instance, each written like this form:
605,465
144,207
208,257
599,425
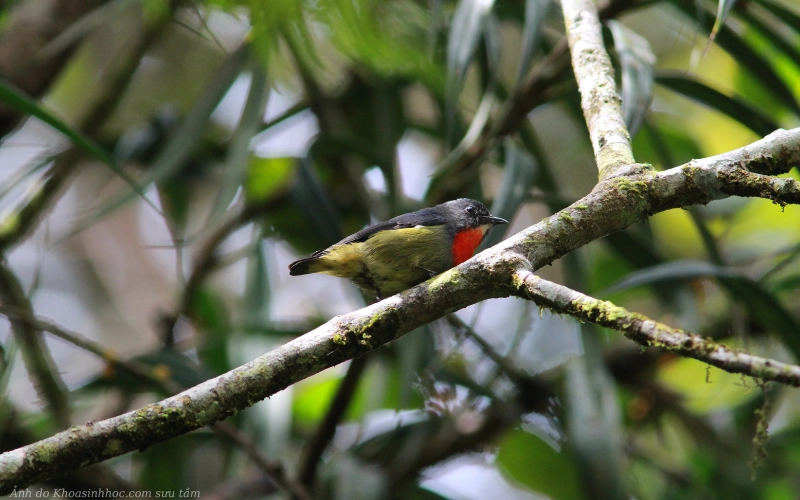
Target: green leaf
257,289
535,14
634,248
306,217
236,162
163,468
8,355
375,125
267,177
774,36
80,29
519,174
189,134
286,115
723,10
664,151
533,463
687,378
212,318
788,256
637,61
762,305
23,174
175,196
671,143
492,49
746,56
318,209
410,426
712,248
415,354
387,38
544,175
23,103
416,492
312,398
465,32
271,20
737,109
594,419
786,15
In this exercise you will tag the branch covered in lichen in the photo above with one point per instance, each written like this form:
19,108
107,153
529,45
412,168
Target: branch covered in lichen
613,205
649,333
599,99
740,182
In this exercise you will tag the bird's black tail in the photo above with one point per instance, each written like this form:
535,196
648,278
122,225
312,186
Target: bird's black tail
303,266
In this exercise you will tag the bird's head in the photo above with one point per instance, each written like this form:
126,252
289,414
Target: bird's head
465,213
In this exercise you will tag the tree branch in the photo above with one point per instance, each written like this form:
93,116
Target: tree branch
614,204
48,383
599,99
274,471
316,446
108,355
648,333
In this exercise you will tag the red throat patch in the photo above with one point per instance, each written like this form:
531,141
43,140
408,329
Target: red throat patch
465,243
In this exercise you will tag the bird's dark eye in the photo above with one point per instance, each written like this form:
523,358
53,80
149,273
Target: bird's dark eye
471,210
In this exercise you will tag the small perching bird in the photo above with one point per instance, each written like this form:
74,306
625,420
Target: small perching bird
395,255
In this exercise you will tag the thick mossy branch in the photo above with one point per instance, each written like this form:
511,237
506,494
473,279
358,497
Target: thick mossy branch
599,99
648,333
613,205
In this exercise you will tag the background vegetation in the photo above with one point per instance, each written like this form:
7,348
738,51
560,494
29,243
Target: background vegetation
181,154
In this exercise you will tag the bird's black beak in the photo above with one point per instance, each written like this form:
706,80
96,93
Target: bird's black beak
490,219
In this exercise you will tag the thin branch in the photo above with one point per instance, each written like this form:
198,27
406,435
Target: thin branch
536,90
272,470
454,175
599,99
615,204
35,353
108,355
327,428
740,182
505,365
529,95
649,333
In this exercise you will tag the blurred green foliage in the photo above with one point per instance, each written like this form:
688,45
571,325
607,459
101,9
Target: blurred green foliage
273,129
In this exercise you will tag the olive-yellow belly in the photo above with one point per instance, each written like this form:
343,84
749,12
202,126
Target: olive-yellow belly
390,261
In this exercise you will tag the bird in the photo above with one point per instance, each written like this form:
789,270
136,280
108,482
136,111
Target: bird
395,255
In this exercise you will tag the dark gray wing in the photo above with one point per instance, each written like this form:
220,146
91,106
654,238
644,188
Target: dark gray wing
424,217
